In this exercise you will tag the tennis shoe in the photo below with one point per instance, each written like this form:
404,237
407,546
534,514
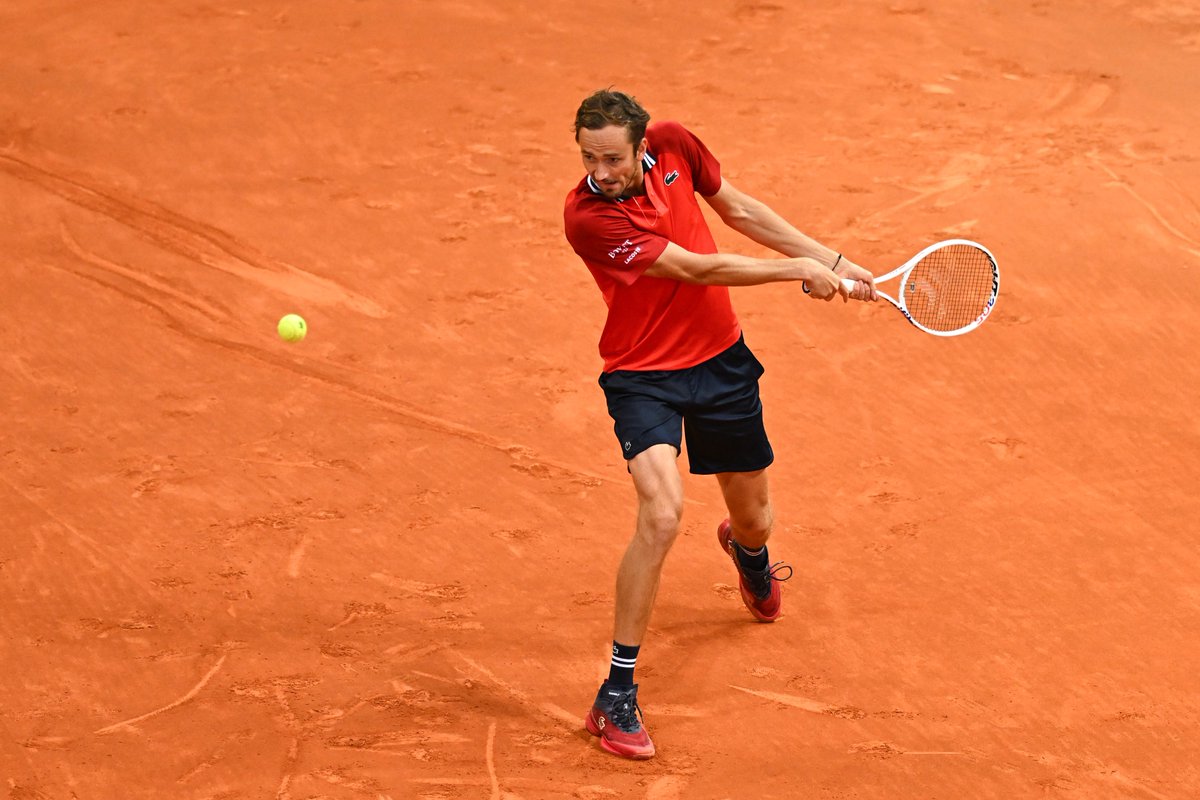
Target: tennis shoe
759,588
616,718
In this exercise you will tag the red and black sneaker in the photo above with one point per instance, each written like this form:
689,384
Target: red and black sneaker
615,718
760,588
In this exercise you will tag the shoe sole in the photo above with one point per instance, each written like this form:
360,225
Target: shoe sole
725,536
605,744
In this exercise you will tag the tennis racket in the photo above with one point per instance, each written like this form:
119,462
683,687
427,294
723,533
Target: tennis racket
947,289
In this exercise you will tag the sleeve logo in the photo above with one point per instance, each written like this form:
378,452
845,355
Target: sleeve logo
620,249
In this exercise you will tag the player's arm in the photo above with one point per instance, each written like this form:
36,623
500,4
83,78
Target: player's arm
757,221
730,269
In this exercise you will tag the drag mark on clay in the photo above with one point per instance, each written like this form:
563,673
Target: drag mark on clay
386,741
285,782
1195,245
1115,776
194,240
524,459
413,654
356,611
147,281
169,302
803,703
420,590
885,750
491,760
449,781
296,556
98,557
1078,97
549,709
961,170
189,696
876,749
668,787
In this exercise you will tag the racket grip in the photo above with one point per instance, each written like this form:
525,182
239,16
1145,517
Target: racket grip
849,284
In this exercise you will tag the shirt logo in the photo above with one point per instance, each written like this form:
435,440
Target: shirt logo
670,177
620,249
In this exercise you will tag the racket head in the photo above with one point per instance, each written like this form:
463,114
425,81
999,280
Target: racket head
950,287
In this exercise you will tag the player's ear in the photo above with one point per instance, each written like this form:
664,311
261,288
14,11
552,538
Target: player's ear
640,151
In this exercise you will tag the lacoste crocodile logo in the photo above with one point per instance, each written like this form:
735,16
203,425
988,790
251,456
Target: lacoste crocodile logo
671,176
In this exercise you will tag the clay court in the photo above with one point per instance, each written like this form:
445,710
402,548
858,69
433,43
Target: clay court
379,563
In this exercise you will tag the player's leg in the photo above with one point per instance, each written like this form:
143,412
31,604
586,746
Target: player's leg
660,506
649,429
614,716
748,500
743,536
726,437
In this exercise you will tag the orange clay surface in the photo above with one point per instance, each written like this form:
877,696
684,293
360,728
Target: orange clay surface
380,563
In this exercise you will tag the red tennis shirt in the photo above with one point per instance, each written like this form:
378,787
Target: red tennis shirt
654,323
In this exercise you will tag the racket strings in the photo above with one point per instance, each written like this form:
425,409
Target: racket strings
949,288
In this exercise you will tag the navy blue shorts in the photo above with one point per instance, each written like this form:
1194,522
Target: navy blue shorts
715,404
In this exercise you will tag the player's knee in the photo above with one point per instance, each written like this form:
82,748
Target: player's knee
660,524
753,530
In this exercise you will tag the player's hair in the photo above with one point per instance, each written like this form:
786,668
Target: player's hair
610,107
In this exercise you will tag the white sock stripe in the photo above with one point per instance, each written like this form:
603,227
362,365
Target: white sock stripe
624,662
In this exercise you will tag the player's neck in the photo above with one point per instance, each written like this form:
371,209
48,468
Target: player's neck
637,189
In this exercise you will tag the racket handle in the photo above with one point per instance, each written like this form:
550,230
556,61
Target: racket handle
849,284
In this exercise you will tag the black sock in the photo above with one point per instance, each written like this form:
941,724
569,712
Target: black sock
755,560
624,658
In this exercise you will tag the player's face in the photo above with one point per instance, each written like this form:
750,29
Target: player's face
612,160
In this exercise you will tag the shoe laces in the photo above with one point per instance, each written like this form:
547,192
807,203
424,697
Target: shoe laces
624,711
759,581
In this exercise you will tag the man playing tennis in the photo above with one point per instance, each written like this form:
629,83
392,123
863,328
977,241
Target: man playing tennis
675,363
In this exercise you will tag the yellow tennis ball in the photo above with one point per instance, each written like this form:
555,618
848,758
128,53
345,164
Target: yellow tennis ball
292,328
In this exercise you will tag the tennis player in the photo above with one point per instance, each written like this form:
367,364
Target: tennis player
676,365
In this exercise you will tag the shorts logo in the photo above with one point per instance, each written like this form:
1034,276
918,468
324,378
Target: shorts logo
671,177
628,447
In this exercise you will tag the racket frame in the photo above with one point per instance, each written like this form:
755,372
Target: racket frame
908,267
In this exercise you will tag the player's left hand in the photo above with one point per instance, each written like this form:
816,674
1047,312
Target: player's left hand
864,287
